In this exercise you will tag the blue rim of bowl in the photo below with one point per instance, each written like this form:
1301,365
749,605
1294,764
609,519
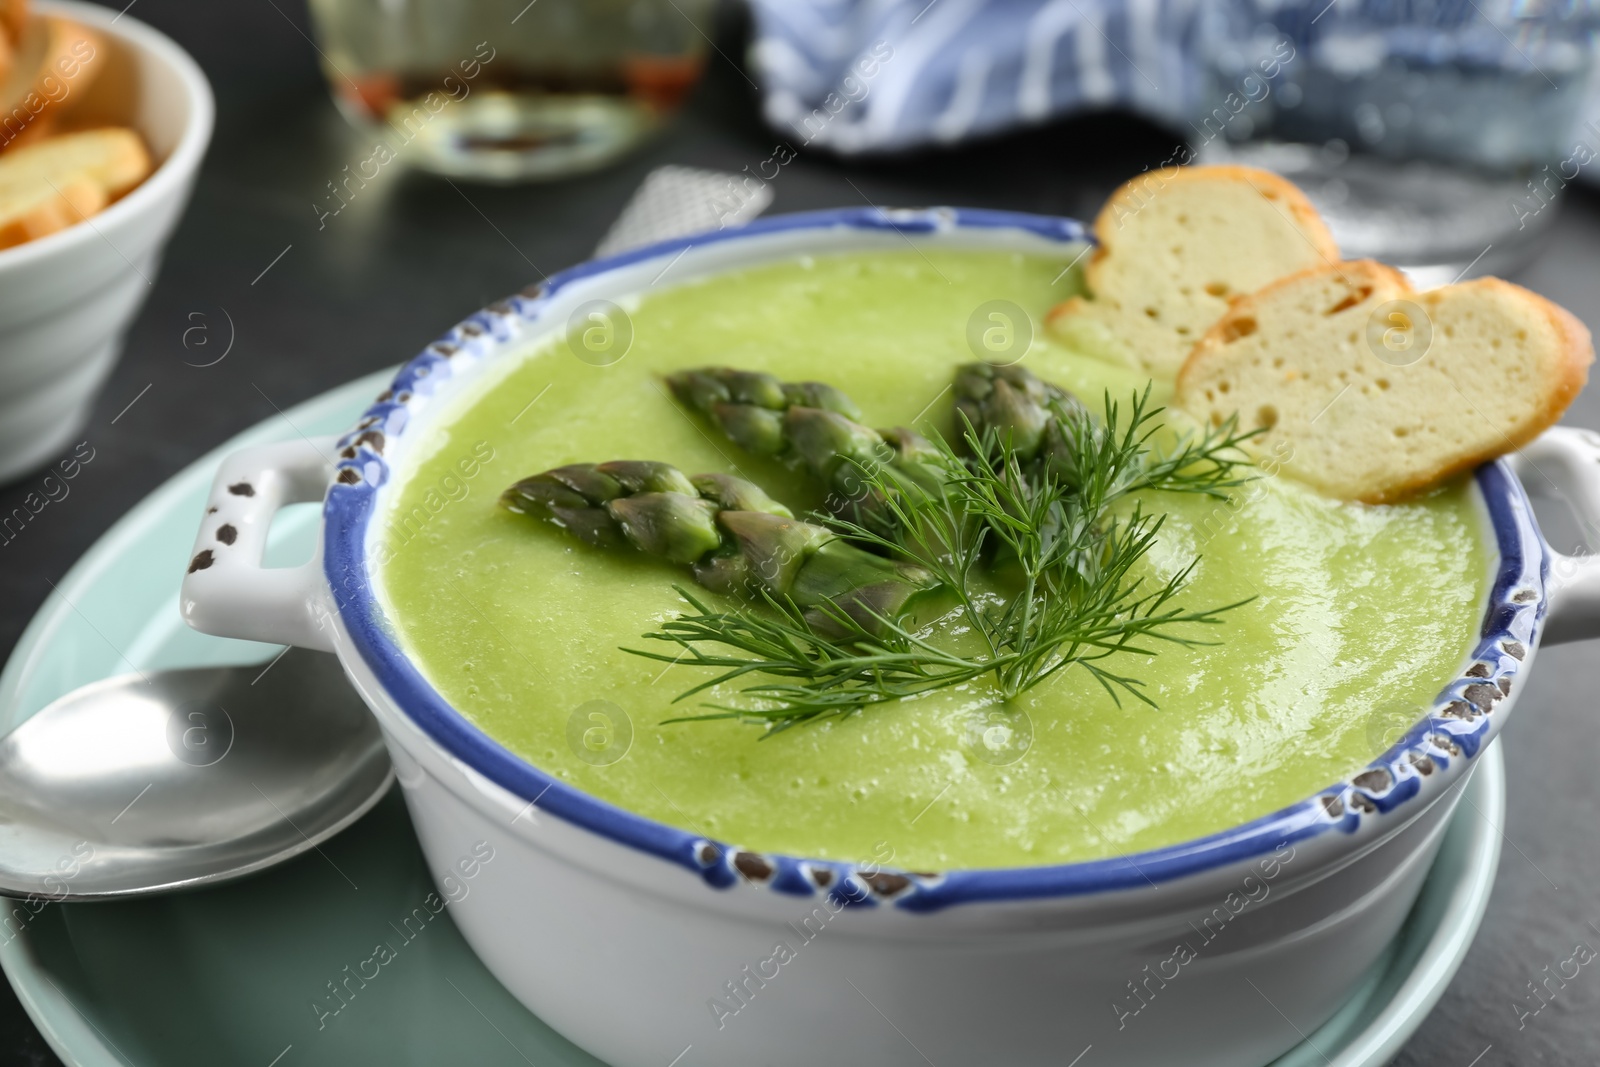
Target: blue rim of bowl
1437,747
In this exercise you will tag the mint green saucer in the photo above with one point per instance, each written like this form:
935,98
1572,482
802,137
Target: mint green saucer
236,974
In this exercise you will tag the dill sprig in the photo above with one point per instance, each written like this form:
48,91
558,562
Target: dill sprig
1053,539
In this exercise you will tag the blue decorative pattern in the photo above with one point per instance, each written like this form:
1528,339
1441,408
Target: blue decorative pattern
1427,760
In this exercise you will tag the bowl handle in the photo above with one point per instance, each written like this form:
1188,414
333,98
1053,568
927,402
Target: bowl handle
1569,459
227,592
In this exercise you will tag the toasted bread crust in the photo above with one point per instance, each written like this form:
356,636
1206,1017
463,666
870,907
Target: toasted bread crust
1279,190
1354,272
1578,354
1174,246
1374,281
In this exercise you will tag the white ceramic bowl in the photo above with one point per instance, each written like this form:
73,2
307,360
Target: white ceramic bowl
66,299
649,945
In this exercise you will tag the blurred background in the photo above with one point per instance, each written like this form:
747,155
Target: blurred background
381,168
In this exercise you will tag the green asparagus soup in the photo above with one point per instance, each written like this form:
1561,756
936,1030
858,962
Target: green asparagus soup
1360,614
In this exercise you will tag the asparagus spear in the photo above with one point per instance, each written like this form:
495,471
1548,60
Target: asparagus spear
735,538
1054,436
1042,422
810,425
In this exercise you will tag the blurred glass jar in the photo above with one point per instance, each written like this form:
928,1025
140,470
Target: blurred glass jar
1435,135
511,90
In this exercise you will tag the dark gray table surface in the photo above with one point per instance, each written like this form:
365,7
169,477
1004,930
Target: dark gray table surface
380,281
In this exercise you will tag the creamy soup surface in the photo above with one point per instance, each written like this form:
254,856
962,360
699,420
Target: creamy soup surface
1360,615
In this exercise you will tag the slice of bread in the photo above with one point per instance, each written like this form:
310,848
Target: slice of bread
1175,246
114,158
62,180
1372,391
44,210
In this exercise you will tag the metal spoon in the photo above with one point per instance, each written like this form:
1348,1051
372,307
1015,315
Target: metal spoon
165,780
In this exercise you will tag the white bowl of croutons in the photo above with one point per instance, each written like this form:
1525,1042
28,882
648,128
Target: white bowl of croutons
103,123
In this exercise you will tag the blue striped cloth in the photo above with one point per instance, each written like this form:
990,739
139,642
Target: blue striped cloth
876,75
879,75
